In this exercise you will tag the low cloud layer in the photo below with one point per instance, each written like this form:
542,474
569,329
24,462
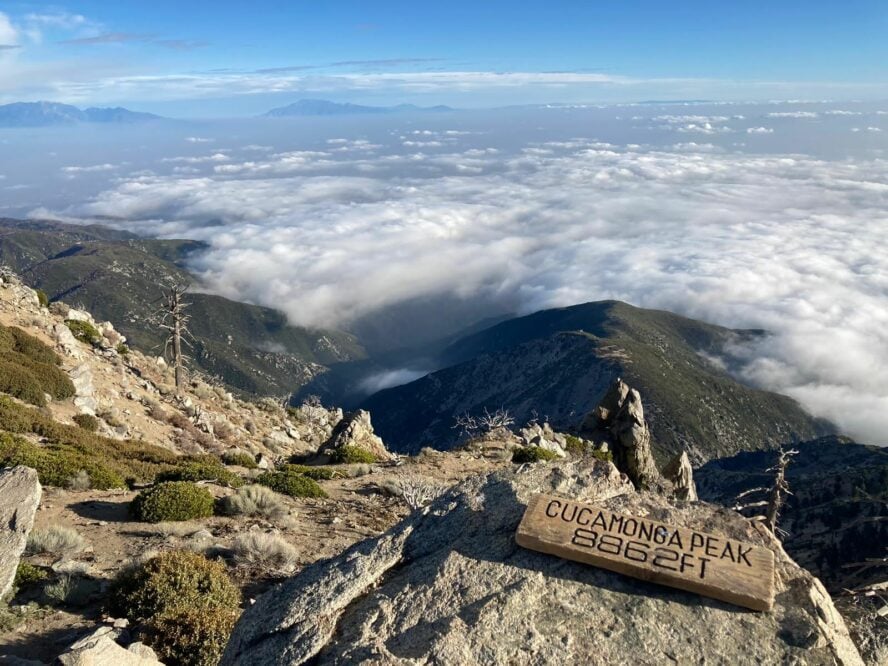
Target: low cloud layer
787,242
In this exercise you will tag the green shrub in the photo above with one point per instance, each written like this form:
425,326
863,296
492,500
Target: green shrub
28,574
15,339
532,454
172,581
189,637
122,348
205,468
316,473
56,466
172,501
606,456
70,449
352,454
20,383
28,368
574,445
87,422
42,298
84,331
294,485
241,458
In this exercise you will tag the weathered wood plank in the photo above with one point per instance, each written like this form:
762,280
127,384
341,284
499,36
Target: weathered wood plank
687,559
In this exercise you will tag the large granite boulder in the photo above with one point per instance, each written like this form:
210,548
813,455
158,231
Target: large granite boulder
19,497
449,585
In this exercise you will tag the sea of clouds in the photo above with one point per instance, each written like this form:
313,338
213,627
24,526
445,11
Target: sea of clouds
771,216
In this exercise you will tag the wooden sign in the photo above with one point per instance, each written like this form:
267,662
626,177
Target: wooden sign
707,564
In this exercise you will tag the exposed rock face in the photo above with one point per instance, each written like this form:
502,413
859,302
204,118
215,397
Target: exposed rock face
356,430
66,341
19,497
619,420
450,586
680,473
85,399
101,649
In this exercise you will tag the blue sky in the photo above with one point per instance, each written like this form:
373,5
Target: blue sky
218,58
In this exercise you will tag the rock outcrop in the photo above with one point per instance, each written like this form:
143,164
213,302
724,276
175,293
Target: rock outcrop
619,421
544,437
356,430
681,475
101,649
449,585
19,497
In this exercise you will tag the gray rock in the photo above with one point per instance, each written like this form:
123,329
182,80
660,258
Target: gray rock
85,398
66,341
680,473
449,585
20,493
619,419
101,649
356,430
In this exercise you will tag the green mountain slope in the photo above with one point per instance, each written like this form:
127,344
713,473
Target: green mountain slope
558,364
837,513
119,277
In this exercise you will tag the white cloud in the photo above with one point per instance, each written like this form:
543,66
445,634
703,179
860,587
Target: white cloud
759,130
9,36
198,139
793,114
784,242
88,169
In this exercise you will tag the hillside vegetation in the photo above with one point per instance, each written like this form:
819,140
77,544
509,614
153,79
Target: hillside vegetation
119,277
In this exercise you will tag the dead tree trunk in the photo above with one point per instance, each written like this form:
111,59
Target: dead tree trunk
779,489
175,320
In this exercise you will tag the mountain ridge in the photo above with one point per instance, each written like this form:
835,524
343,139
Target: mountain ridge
49,114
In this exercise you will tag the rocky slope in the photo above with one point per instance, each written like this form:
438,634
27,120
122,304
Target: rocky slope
558,364
450,586
837,513
119,277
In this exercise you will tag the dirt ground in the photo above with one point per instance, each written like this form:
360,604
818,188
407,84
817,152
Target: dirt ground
357,508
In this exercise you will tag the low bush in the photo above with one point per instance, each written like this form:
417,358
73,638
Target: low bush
316,473
294,485
188,605
241,458
253,500
203,468
574,445
84,331
266,551
172,501
606,456
170,581
15,339
352,454
27,574
87,422
532,454
42,298
20,383
55,540
189,637
69,449
122,349
56,466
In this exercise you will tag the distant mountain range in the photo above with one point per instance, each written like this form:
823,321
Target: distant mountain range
47,114
322,107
